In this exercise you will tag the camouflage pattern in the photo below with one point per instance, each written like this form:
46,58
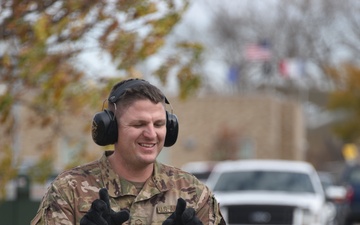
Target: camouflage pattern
70,195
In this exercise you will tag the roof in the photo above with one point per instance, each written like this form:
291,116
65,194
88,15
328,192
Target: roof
264,164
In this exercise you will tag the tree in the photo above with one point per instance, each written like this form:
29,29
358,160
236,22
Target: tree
41,40
346,99
320,34
301,29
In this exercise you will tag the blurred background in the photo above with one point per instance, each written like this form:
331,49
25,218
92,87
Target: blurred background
252,79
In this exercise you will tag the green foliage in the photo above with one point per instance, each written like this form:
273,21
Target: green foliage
6,102
189,79
7,169
188,82
42,170
346,98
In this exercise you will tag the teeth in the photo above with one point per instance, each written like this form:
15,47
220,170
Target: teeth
147,145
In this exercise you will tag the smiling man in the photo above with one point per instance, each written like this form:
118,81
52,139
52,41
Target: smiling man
128,185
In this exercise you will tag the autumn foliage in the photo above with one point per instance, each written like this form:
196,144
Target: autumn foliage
39,45
346,99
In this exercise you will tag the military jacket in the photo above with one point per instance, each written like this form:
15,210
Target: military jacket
70,195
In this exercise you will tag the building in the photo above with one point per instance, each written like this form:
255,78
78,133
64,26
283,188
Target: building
210,128
247,126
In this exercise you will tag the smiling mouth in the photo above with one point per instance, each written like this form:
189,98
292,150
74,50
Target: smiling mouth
147,145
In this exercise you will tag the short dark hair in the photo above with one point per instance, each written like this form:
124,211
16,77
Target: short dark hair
141,90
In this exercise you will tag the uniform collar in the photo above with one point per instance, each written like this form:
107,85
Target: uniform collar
158,182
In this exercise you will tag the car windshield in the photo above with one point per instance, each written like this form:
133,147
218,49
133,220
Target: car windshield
264,181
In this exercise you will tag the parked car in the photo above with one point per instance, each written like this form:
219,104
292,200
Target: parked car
351,179
270,192
335,194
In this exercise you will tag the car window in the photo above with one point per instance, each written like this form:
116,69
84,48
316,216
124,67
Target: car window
264,181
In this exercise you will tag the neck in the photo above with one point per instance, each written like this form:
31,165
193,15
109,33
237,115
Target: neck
130,172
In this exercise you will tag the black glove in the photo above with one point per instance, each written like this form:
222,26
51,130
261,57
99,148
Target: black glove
100,212
182,215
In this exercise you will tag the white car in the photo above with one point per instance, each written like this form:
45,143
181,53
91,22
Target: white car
270,192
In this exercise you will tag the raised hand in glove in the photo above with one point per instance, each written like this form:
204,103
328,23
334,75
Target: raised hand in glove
182,215
100,212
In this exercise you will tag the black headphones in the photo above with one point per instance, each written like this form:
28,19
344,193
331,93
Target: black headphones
104,125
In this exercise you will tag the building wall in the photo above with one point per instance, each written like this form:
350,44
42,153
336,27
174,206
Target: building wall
273,127
258,126
70,137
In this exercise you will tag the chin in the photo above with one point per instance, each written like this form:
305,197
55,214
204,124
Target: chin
149,159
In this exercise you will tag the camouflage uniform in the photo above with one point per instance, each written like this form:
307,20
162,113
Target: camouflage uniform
70,195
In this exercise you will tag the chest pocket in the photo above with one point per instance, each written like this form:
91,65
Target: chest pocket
84,206
150,215
135,221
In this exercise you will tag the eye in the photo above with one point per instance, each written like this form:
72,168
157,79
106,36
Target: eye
137,125
160,124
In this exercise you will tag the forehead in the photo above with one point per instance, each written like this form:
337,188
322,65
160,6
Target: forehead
144,108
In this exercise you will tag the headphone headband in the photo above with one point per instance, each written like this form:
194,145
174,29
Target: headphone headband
121,90
114,97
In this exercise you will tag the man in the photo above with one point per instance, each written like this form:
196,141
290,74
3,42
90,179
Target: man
128,184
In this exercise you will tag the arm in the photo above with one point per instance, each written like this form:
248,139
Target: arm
208,209
55,208
209,212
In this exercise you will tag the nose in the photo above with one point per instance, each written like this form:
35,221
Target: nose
149,131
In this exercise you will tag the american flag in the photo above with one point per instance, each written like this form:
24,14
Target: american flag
257,52
292,68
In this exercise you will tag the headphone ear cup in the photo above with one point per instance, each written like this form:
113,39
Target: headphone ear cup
172,129
104,128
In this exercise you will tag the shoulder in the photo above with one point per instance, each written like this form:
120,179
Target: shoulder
71,184
180,183
71,193
179,179
89,172
176,173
